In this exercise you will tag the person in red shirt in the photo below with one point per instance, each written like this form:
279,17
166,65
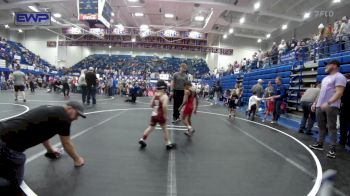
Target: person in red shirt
159,104
189,106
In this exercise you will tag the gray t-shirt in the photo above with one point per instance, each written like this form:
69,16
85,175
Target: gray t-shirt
258,88
310,95
18,78
179,80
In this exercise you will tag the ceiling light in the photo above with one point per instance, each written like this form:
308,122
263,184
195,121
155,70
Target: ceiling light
20,30
7,26
33,8
259,40
138,14
57,15
242,20
284,27
307,15
199,18
224,36
169,15
112,13
133,0
256,5
336,1
109,46
133,40
268,36
230,30
144,27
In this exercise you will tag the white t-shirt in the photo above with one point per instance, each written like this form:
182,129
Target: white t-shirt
253,100
345,29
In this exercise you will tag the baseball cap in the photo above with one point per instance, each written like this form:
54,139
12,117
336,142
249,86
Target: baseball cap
161,85
260,80
78,107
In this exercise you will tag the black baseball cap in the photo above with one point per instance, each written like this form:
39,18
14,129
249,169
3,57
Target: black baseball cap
334,62
161,85
78,107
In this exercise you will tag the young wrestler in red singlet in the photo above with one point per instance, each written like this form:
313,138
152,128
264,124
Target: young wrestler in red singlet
159,104
190,104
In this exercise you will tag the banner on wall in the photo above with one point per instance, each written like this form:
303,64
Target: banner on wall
2,63
88,9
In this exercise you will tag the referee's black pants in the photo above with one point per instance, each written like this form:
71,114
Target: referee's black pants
178,98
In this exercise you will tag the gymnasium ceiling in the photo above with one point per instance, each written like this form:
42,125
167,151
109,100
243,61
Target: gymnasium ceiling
219,15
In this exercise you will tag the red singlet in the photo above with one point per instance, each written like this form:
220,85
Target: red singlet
189,105
157,113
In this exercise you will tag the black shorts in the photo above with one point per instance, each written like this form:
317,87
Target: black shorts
232,104
19,88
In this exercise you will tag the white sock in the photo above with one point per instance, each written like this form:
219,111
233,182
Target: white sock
189,127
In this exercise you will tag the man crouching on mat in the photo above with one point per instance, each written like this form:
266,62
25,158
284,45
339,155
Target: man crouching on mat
30,129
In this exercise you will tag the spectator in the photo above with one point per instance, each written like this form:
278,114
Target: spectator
327,106
82,84
343,34
269,90
344,115
306,101
65,85
260,58
282,48
258,88
274,53
279,95
217,92
91,82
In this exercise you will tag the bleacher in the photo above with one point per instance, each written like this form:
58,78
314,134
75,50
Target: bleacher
127,63
11,51
342,57
267,75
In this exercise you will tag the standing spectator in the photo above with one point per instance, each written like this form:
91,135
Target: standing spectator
179,80
269,90
19,79
259,91
239,92
217,92
344,115
31,83
82,85
279,95
260,59
91,85
65,86
343,34
274,53
40,82
327,106
258,88
309,97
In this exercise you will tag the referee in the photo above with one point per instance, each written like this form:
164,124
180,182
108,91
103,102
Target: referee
179,80
30,129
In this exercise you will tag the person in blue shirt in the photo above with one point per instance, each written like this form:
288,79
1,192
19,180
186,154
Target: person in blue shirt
279,95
